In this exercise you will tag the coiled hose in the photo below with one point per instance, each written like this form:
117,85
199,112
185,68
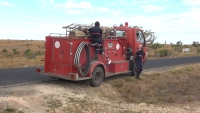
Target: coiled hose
86,67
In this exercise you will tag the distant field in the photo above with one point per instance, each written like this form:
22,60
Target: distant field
172,50
26,53
21,53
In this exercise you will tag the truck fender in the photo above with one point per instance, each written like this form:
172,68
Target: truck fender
93,65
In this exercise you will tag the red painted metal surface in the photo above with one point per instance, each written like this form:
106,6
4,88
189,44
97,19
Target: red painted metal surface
119,66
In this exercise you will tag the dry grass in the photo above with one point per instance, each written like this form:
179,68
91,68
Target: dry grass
179,85
12,60
193,51
10,110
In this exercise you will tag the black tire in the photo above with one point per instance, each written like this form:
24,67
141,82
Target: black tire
134,70
97,77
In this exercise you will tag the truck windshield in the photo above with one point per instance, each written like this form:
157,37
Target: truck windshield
120,33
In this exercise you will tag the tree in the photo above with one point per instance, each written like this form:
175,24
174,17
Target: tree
178,46
195,43
179,43
150,35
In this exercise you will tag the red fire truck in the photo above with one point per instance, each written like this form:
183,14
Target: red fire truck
71,56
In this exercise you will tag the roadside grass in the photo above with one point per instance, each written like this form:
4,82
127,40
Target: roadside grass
78,105
53,104
10,110
178,85
129,112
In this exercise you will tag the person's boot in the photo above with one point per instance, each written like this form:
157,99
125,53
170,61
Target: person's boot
101,51
138,75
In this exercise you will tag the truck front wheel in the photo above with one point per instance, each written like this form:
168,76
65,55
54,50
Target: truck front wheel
134,70
97,76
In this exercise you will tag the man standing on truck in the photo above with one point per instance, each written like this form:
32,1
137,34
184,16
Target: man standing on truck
96,35
140,54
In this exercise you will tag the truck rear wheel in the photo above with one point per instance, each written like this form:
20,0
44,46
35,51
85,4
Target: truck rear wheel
134,70
97,76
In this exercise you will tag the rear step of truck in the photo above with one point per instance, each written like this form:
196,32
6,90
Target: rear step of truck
70,76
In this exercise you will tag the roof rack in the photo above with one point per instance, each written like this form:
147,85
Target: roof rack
75,26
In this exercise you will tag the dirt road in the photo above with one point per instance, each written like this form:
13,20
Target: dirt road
65,97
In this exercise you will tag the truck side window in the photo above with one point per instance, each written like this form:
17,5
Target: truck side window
120,33
140,37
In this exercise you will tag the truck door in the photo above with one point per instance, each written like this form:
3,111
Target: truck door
61,51
61,55
141,41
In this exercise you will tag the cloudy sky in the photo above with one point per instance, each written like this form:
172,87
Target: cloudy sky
171,20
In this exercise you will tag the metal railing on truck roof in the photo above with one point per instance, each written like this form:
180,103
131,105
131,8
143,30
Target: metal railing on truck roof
75,26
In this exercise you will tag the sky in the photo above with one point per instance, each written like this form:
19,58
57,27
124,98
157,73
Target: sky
171,20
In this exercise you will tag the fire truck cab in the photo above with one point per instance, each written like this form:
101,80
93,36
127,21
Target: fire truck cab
71,56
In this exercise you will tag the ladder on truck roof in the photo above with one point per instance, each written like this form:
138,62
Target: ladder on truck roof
75,26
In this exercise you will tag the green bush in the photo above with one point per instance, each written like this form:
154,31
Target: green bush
157,45
164,53
38,53
198,50
28,54
5,50
15,51
178,49
27,51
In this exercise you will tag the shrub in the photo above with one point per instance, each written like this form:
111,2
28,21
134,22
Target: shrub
27,44
164,52
38,53
178,49
28,54
198,50
5,50
157,45
38,46
15,51
27,51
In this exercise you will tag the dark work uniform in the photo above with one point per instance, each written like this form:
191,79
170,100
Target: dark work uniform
138,61
96,35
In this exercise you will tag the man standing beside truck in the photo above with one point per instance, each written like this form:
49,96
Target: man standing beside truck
140,54
96,35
